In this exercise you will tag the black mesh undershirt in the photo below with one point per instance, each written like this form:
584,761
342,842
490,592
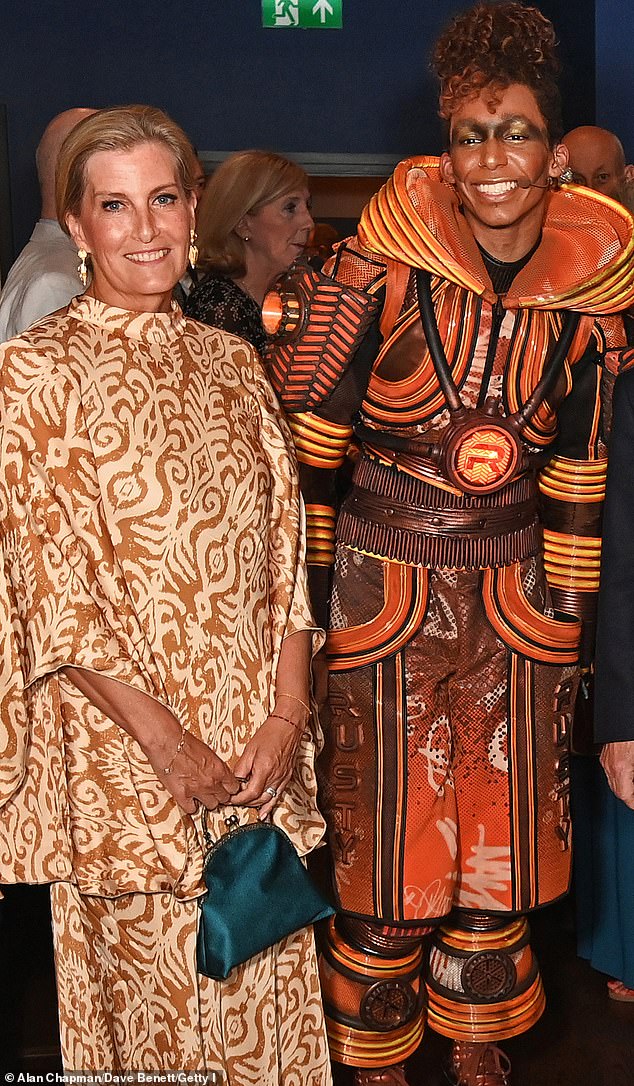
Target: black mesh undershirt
503,273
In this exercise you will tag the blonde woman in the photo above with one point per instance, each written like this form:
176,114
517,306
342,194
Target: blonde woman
254,221
158,635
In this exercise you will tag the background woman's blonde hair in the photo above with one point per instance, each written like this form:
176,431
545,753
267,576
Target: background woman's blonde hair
119,128
243,184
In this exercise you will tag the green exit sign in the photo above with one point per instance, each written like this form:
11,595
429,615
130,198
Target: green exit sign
323,14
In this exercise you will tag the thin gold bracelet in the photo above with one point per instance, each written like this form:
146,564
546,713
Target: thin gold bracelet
180,745
294,697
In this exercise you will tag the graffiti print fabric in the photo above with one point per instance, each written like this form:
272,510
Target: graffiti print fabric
464,715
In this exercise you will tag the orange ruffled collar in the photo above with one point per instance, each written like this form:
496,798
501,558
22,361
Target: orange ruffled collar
585,260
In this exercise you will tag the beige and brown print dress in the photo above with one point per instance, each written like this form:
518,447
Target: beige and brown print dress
151,530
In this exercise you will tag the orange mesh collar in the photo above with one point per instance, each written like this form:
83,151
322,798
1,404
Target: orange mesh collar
585,260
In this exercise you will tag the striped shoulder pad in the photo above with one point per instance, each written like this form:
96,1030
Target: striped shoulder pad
315,326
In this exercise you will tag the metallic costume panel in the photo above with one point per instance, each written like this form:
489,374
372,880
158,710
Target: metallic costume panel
483,981
373,993
318,328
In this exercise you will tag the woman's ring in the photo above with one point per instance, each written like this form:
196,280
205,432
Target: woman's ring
271,791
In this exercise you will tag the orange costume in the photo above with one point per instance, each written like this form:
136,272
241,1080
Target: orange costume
466,556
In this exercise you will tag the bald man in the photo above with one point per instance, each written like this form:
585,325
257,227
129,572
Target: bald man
44,277
597,161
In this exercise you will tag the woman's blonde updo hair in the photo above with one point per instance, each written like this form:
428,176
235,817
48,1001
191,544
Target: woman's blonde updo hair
117,129
243,184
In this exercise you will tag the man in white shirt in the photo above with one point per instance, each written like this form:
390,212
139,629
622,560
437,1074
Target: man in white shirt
44,277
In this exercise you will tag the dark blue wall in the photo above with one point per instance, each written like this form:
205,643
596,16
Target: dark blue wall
231,83
615,69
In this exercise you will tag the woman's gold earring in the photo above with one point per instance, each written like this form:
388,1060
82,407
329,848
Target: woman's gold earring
82,270
193,248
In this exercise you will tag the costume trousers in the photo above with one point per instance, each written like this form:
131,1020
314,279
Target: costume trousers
445,779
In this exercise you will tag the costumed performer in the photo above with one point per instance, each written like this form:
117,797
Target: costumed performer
466,554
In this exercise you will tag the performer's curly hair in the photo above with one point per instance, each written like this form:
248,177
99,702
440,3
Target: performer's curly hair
493,45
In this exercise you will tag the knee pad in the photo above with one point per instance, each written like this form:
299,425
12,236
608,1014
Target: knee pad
372,991
483,982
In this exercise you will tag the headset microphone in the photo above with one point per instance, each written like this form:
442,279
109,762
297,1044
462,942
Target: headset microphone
524,183
564,178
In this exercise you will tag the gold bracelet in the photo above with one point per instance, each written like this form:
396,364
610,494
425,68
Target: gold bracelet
298,727
180,745
293,697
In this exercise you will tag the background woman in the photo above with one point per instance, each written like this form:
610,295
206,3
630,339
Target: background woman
158,635
253,221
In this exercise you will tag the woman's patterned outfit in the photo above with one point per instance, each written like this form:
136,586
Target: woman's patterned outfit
151,531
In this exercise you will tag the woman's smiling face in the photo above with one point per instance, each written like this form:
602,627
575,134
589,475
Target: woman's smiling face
134,221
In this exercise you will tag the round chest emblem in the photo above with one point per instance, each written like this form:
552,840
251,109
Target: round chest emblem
387,1004
488,975
485,457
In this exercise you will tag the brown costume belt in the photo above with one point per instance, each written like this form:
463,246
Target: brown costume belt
399,517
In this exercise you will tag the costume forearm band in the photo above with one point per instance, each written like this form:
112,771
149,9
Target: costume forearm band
320,535
572,562
572,493
315,326
319,443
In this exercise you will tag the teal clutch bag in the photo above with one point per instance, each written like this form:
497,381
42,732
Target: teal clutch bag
258,892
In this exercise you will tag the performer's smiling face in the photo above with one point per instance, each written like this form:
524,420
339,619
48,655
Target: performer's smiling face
499,163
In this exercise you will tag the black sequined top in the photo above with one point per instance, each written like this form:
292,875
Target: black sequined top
219,301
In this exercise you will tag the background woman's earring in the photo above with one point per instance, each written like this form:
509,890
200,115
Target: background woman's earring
82,269
246,237
193,248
